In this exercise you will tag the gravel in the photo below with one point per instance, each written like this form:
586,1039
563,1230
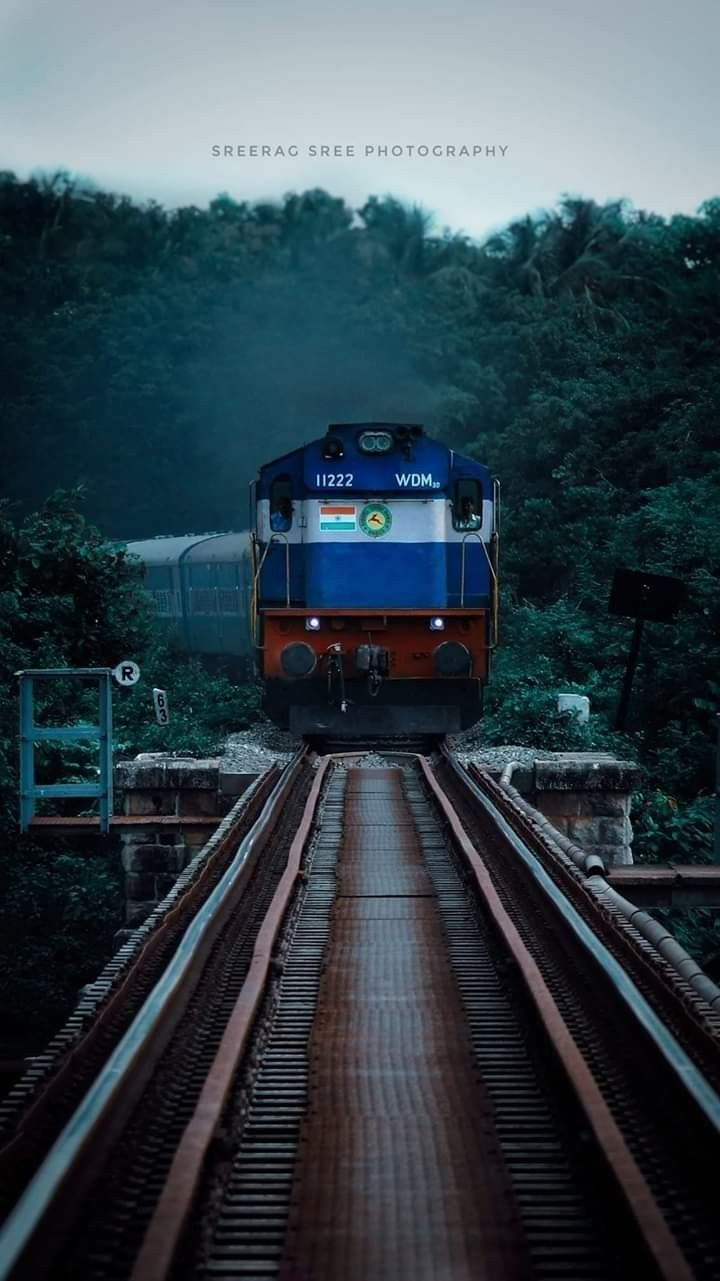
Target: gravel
370,760
469,747
258,748
255,749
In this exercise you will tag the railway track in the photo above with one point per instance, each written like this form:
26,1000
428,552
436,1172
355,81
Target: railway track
398,1038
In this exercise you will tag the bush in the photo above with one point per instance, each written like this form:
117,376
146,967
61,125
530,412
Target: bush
528,716
670,830
545,652
68,598
59,914
204,707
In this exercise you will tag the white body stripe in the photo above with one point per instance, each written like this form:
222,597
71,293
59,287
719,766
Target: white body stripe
293,535
414,520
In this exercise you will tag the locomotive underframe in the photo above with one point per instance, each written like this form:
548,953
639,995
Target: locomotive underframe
447,706
338,696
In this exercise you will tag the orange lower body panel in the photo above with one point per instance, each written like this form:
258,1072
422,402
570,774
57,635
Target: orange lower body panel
406,635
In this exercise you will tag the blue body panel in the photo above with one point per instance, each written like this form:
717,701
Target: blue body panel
391,576
273,580
289,465
422,469
477,575
358,574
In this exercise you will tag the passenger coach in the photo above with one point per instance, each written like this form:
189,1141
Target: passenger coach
374,601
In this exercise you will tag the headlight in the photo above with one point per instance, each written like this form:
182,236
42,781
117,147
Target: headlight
375,442
437,624
452,659
312,624
298,659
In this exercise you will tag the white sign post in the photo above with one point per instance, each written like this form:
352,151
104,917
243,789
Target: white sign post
162,711
127,673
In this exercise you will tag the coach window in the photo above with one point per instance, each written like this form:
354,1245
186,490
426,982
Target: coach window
467,505
281,511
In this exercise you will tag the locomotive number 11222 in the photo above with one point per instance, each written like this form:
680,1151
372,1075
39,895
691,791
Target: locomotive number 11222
333,480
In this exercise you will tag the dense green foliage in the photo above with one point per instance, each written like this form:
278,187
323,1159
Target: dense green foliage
69,598
204,707
160,356
58,914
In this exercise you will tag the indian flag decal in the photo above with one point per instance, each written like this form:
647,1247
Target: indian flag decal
335,519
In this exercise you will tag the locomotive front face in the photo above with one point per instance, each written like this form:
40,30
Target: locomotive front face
375,580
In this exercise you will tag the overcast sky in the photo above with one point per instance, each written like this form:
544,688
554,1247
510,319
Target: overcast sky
605,98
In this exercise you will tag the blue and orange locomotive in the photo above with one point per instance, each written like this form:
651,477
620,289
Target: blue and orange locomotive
374,607
365,592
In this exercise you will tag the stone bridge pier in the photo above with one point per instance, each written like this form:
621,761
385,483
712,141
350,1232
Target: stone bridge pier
171,806
587,797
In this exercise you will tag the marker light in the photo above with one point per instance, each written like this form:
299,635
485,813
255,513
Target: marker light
375,442
437,624
312,624
333,448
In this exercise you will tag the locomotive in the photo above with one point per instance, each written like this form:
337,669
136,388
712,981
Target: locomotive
374,598
365,593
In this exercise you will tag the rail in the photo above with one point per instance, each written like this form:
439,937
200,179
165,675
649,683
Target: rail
79,1148
667,1045
33,1113
650,1220
422,955
173,1210
665,965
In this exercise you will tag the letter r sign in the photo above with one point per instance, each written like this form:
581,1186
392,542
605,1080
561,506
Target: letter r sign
127,672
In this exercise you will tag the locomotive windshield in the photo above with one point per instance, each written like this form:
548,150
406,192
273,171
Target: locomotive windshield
281,504
467,505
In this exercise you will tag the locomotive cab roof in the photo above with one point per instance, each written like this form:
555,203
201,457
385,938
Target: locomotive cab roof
402,430
375,457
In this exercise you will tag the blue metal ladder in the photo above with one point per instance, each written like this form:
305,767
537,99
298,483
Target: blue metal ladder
30,734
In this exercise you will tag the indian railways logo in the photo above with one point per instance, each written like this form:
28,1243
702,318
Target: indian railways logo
375,519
